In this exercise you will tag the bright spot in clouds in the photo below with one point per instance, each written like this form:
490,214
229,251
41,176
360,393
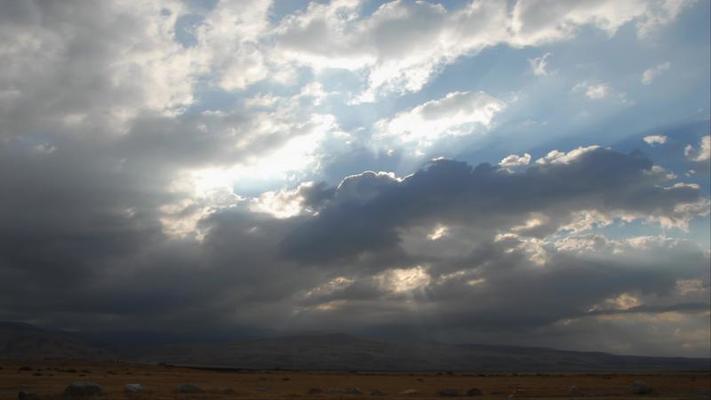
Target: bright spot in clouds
438,232
399,280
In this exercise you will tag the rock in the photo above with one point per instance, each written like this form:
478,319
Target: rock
133,388
409,392
25,395
24,368
189,388
449,393
353,391
639,387
83,389
474,392
573,391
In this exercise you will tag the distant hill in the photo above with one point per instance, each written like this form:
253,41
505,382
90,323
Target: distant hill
334,352
343,352
26,342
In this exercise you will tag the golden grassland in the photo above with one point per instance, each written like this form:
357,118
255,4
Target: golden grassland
48,379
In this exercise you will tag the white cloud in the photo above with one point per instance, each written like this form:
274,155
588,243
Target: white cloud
97,63
552,20
623,301
704,152
661,172
650,74
402,44
595,244
655,139
539,65
593,91
599,91
457,114
534,248
230,39
584,220
514,160
559,157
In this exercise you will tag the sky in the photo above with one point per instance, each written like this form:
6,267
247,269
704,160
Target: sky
498,172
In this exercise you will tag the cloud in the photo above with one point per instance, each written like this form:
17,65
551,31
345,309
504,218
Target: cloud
285,203
402,45
314,253
456,114
655,139
514,160
116,61
399,280
598,91
593,91
539,65
649,75
188,174
229,39
560,157
561,19
703,154
452,192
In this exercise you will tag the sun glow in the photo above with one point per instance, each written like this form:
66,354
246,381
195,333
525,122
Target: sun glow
438,232
399,280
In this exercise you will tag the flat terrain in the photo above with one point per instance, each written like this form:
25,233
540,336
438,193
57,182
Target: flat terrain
49,378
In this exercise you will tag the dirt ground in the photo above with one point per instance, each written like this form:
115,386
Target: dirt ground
49,379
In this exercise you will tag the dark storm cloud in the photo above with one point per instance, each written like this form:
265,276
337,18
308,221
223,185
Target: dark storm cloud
83,246
363,229
516,294
367,210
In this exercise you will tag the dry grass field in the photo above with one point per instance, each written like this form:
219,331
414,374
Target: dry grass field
49,379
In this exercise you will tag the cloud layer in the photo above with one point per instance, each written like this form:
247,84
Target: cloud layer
241,169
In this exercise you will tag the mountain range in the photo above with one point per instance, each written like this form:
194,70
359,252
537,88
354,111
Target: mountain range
332,352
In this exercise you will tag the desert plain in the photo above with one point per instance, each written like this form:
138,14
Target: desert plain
48,380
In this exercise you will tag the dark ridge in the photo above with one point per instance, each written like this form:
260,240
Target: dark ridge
336,352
